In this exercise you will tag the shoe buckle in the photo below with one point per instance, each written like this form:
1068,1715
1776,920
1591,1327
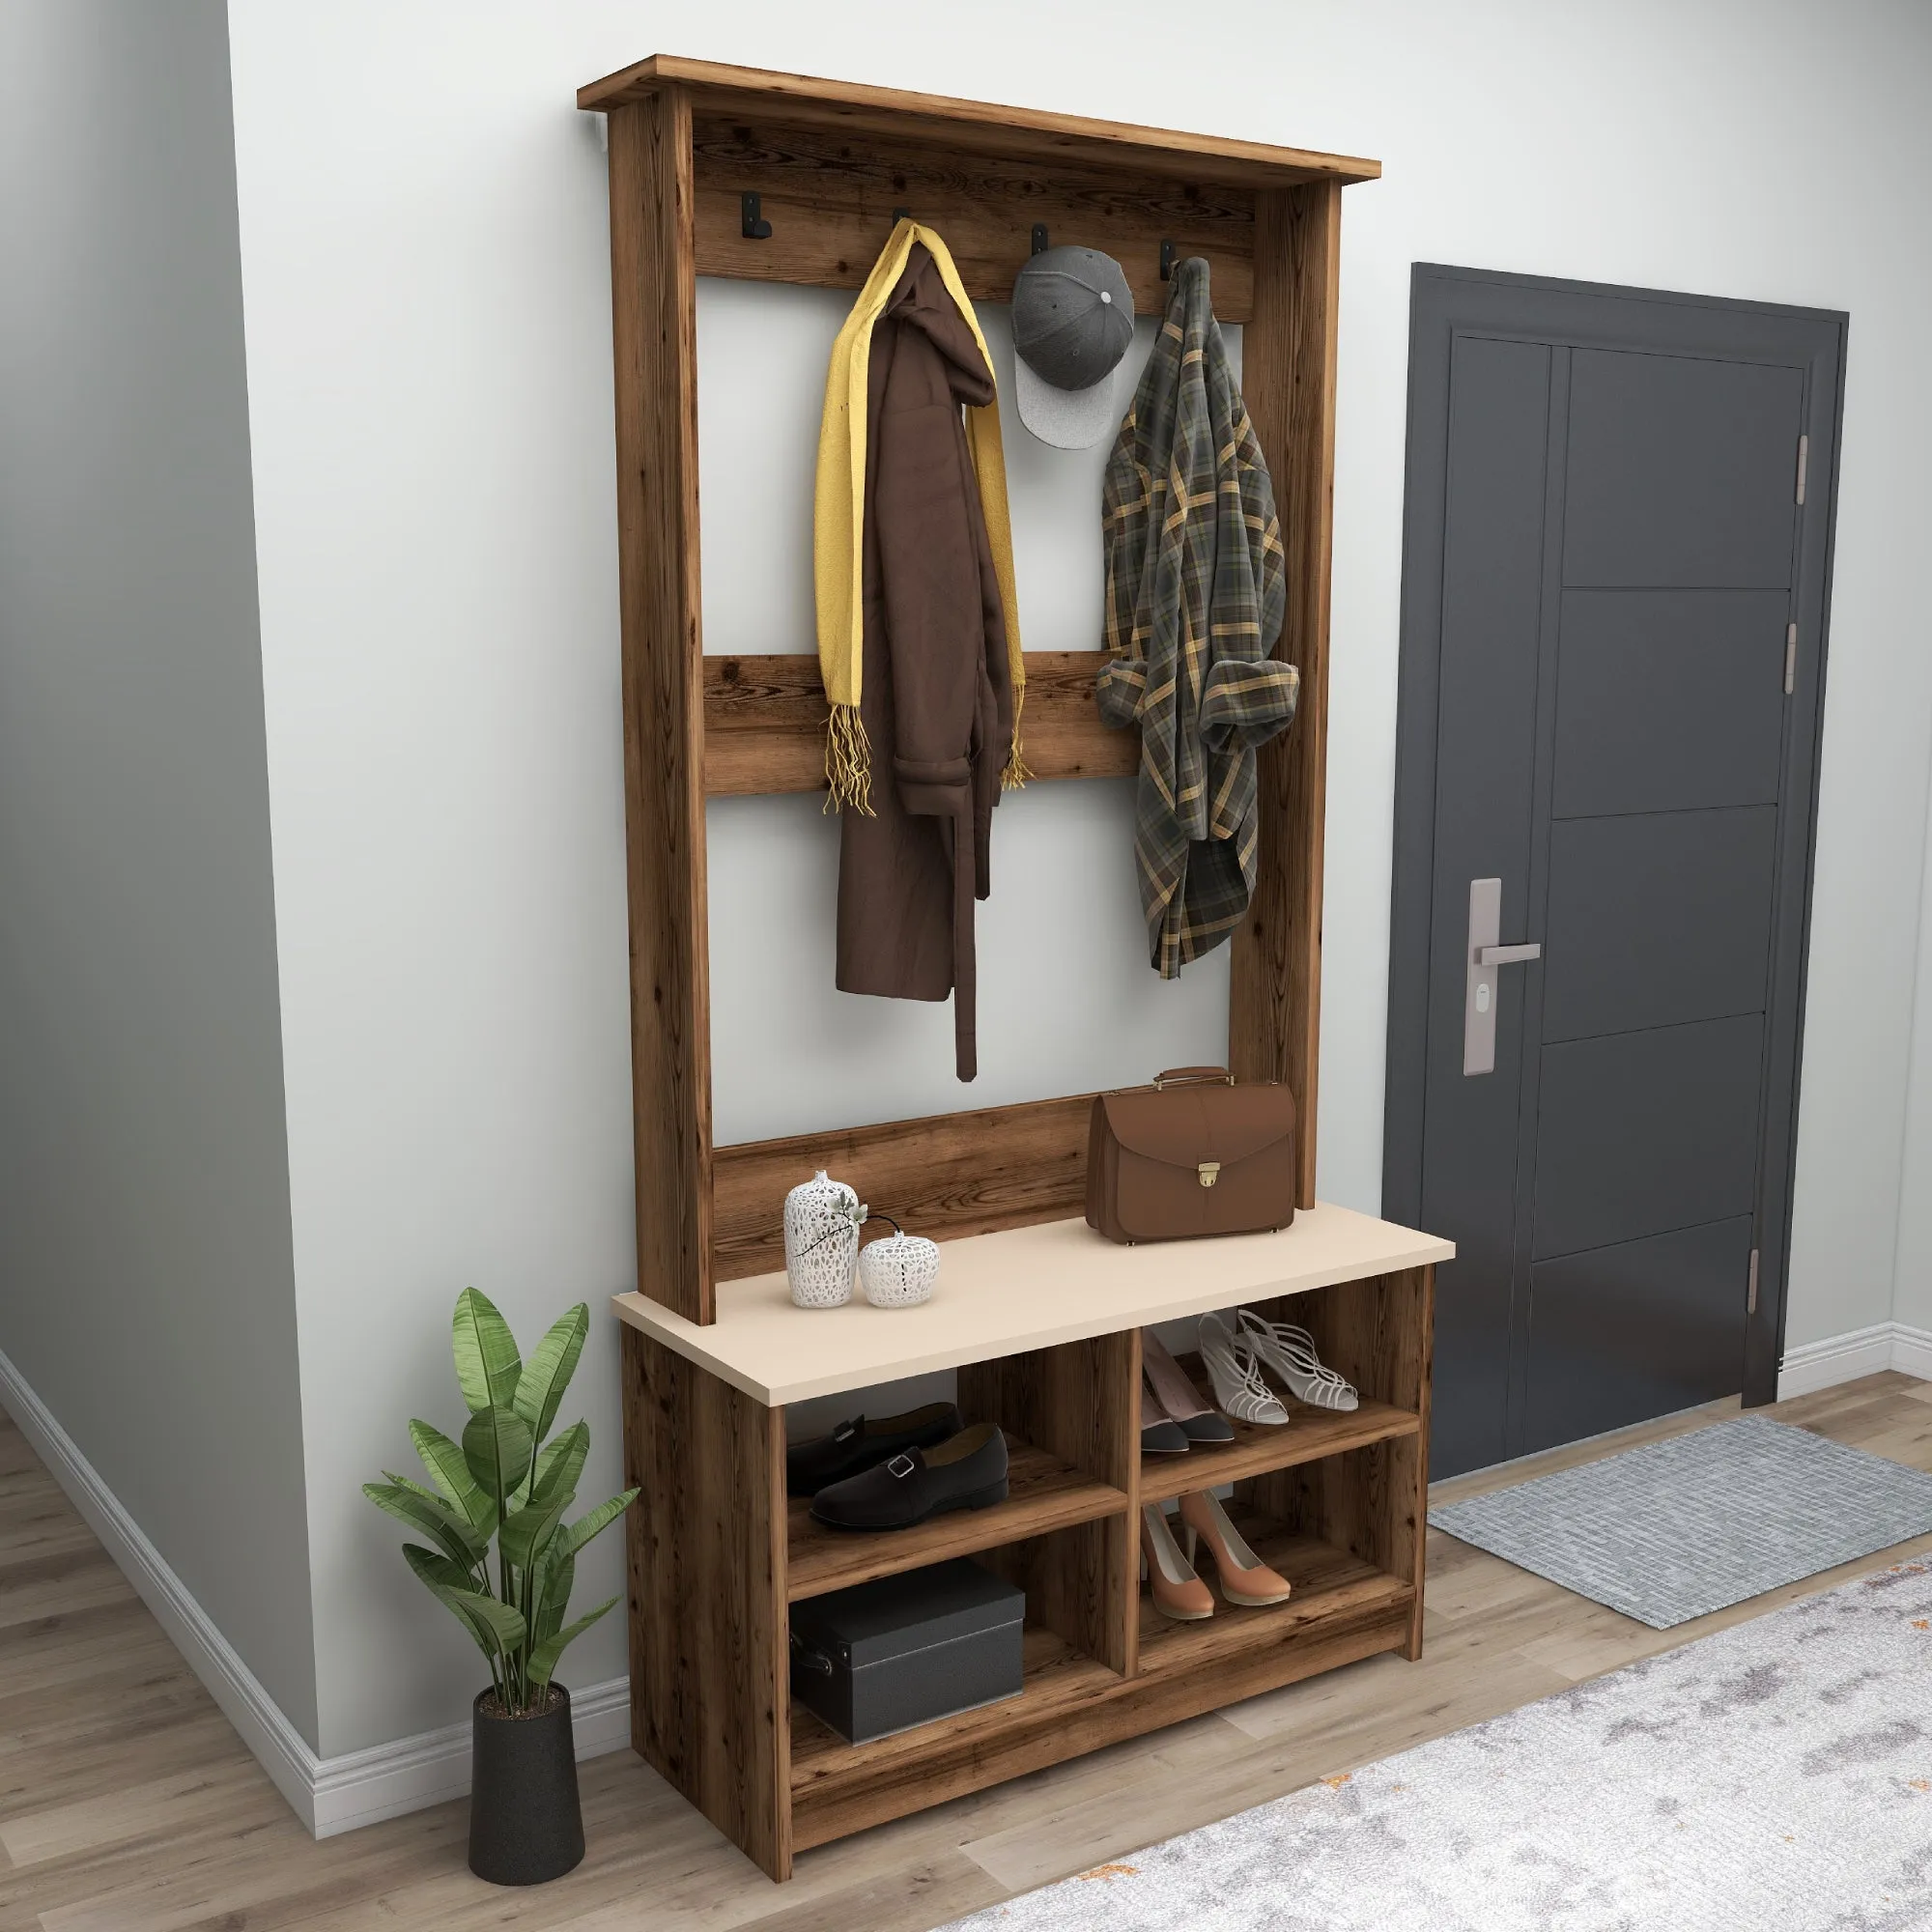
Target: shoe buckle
902,1466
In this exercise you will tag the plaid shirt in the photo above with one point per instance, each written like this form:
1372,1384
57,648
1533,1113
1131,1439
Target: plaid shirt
1196,590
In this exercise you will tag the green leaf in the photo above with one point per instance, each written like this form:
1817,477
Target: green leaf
487,1365
438,1571
525,1530
548,1372
545,1655
556,1576
561,1464
501,1624
429,1516
580,1532
496,1628
497,1447
443,1460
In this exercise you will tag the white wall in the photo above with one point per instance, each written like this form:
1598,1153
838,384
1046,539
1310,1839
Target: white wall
147,1289
424,253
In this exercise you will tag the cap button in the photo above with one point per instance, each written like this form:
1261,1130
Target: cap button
1106,295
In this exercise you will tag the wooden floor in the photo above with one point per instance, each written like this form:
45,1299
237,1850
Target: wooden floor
126,1804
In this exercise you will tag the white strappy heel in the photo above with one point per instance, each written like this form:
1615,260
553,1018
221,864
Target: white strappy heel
1240,1390
1289,1352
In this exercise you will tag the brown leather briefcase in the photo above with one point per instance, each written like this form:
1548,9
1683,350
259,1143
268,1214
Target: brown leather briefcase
1193,1154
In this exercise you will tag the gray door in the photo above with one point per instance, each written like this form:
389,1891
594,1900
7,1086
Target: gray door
1614,591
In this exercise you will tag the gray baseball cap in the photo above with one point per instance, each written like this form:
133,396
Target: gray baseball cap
1074,319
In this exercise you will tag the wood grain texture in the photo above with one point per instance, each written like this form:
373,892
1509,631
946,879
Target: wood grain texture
972,127
831,202
764,723
1044,1493
946,1175
654,337
710,1669
1335,1591
1080,1402
1288,361
1072,1705
100,1714
1311,1435
1373,1500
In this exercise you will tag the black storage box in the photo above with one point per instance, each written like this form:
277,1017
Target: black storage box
885,1655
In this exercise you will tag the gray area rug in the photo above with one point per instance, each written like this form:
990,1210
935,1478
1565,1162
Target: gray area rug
1677,1529
1777,1776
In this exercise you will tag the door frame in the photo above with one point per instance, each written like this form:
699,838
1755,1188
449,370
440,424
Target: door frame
1447,302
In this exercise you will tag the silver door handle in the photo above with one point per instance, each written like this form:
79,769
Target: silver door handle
1485,955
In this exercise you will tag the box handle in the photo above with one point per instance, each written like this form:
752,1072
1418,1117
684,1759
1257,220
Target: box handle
810,1660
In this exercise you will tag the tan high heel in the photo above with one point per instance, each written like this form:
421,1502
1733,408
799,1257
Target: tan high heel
1178,1592
1244,1579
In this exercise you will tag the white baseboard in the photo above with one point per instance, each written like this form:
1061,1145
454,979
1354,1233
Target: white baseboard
385,1780
1844,1358
1911,1351
328,1795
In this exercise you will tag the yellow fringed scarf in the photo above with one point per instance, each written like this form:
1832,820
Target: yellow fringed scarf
838,520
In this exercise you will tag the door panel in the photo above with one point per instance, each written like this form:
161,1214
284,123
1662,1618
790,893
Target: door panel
1657,919
1682,472
1491,609
1620,1334
1643,1132
1603,551
1669,701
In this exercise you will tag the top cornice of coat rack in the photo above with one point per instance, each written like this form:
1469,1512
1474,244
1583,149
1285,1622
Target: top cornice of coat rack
833,162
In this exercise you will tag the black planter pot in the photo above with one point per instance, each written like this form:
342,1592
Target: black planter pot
524,1823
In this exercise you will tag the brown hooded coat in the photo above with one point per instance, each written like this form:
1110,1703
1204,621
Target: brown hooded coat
937,699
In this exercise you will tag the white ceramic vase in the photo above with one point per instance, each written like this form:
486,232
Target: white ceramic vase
898,1271
822,1217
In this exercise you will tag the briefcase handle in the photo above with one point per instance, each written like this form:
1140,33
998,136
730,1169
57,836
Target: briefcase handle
1178,1074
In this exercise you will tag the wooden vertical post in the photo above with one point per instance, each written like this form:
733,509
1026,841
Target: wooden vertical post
710,1667
1288,361
1080,1400
654,299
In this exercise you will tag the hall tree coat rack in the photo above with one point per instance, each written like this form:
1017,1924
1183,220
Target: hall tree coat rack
1039,1316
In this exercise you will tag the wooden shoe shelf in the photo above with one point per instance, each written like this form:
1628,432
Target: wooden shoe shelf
1037,1316
1334,1501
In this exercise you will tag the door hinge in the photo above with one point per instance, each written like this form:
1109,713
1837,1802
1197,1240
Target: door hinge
1803,462
1790,659
1750,1292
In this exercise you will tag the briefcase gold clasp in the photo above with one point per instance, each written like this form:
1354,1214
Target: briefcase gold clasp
1208,1171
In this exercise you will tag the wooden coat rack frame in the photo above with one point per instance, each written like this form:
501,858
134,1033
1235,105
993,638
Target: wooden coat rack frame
731,172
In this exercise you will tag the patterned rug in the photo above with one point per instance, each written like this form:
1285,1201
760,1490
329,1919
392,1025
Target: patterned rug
1773,1778
1677,1529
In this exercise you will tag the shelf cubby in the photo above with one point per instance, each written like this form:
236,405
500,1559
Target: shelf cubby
836,1788
1307,1436
1043,1493
1336,1593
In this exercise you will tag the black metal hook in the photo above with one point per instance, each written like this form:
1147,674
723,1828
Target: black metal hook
1167,261
902,214
1039,241
752,224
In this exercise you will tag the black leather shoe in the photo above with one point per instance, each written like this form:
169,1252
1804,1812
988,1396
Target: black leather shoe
858,1444
968,1472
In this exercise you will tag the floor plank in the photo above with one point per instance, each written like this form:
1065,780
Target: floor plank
127,1805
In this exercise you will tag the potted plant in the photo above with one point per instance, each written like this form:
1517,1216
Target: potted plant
505,1484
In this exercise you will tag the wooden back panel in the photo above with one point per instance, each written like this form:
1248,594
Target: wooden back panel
947,1176
831,200
764,723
